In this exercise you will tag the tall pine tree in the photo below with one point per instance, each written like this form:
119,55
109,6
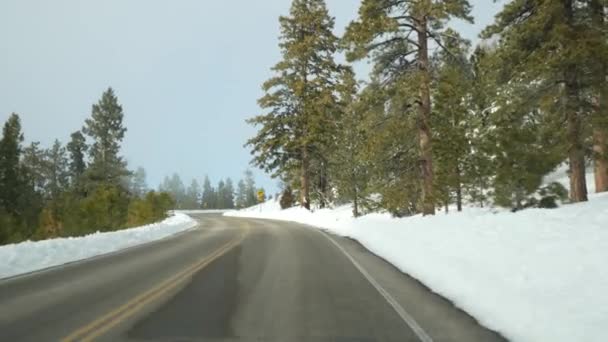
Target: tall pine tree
106,128
77,149
398,35
300,98
539,47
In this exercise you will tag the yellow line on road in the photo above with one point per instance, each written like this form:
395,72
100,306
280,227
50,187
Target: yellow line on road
103,324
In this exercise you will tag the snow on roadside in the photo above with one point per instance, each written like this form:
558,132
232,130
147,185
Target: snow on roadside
535,275
31,256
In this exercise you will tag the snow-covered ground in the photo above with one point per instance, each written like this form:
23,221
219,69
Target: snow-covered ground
535,275
31,256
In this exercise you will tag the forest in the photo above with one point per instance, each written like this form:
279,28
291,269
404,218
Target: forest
208,197
439,122
74,189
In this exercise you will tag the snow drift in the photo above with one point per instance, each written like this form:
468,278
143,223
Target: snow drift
31,256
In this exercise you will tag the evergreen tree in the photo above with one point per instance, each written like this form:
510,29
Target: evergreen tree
12,183
597,43
221,195
77,148
164,186
57,173
241,195
348,164
193,195
175,187
106,129
384,30
516,143
391,155
10,154
300,99
34,162
228,195
250,195
208,198
138,187
479,167
452,120
539,47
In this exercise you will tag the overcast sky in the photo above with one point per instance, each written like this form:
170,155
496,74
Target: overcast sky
187,72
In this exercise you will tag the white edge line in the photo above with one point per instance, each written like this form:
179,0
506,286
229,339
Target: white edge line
405,316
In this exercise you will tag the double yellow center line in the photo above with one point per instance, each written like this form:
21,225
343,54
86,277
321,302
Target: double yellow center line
103,324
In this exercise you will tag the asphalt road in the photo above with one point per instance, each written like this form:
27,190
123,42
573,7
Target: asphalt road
232,280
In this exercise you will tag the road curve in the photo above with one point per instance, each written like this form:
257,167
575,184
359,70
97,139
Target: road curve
232,279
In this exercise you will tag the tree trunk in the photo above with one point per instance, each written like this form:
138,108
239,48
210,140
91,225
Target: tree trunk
356,204
305,179
424,129
600,123
323,196
458,189
600,143
576,152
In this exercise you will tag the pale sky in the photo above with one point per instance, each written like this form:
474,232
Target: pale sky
187,72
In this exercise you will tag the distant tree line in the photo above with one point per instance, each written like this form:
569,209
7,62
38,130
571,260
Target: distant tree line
222,196
438,123
77,188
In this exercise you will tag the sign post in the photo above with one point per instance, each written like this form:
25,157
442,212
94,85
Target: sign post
261,198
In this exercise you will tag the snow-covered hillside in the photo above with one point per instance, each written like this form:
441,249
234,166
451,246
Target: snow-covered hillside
31,256
535,275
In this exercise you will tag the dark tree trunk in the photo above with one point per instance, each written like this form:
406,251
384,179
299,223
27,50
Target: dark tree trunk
600,131
305,179
576,152
458,189
356,205
424,129
600,143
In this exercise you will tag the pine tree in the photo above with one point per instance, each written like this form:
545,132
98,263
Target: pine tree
138,186
193,195
34,162
221,192
452,120
539,47
10,152
384,30
597,42
300,98
57,173
176,188
348,166
250,195
77,148
479,167
228,195
208,198
20,203
106,128
241,195
391,154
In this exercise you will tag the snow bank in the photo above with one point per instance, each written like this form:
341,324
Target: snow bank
31,256
535,275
